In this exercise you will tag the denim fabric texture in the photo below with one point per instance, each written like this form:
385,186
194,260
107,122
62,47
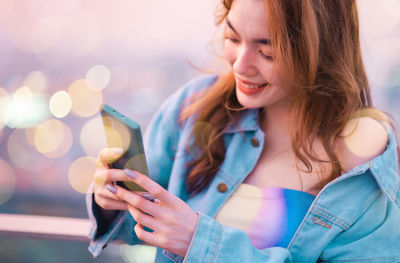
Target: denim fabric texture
354,218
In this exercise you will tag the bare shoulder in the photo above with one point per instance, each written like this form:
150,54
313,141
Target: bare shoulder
363,139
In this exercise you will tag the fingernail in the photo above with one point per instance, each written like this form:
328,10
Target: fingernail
148,196
111,188
117,150
130,173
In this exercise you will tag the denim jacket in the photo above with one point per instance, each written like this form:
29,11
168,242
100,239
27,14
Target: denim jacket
354,218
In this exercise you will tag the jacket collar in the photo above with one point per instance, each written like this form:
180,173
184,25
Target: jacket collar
385,168
249,122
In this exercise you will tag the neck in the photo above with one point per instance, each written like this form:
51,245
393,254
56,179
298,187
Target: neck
275,127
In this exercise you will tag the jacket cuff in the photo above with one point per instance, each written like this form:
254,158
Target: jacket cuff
205,242
101,232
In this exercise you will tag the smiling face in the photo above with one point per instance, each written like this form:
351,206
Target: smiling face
248,49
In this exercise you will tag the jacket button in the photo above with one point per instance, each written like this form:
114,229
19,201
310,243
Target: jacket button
222,187
254,141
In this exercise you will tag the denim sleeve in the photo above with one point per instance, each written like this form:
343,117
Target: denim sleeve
161,141
213,242
160,146
374,237
102,232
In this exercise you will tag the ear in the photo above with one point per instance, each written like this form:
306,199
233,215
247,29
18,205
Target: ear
363,139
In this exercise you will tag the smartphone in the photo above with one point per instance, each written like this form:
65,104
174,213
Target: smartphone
125,133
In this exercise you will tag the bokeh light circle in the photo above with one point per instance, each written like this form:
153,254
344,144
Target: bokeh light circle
46,32
138,253
20,26
81,172
85,101
21,153
30,136
99,75
117,135
7,182
23,94
60,104
5,101
27,109
80,36
36,81
53,138
92,137
359,130
119,79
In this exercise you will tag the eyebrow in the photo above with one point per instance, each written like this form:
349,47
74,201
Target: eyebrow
263,41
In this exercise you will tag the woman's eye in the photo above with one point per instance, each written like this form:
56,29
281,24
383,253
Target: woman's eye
232,39
267,57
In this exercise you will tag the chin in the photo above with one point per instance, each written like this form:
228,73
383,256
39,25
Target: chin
250,102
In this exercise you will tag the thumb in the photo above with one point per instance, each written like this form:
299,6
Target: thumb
109,155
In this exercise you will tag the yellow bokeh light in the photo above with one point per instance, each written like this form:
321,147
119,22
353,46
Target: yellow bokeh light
60,104
92,137
85,101
53,138
49,136
117,134
99,75
36,81
80,173
7,182
24,95
30,136
364,129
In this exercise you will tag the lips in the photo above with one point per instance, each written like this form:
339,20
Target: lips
250,88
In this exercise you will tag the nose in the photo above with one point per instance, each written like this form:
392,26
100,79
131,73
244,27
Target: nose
244,63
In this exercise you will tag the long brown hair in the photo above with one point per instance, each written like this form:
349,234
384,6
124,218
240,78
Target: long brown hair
317,43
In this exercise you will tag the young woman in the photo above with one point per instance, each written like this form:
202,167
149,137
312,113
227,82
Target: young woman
281,159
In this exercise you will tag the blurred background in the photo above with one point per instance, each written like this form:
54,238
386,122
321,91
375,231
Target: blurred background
60,60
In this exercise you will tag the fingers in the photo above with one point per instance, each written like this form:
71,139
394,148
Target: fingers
142,218
152,187
108,156
103,192
144,235
106,176
107,200
138,201
110,204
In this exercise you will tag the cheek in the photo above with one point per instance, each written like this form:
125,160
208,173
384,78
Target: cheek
229,53
272,74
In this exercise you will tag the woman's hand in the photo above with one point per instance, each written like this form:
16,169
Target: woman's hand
172,220
103,178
